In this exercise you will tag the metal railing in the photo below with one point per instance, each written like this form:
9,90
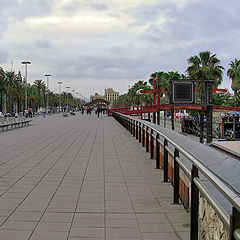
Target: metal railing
150,138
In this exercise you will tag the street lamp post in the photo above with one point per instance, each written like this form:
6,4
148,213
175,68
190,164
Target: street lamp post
47,75
26,92
67,97
60,96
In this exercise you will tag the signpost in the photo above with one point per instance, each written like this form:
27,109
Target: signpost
193,92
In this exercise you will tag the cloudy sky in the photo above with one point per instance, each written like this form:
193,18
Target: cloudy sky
90,45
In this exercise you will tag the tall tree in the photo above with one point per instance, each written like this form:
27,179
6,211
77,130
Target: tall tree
155,76
206,66
11,82
2,86
234,73
38,84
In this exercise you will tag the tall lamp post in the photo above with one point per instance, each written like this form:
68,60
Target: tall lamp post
26,92
60,96
47,75
67,97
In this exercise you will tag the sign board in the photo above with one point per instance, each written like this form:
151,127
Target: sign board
183,92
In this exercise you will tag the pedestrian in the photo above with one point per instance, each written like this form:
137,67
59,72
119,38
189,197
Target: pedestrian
30,112
44,112
26,113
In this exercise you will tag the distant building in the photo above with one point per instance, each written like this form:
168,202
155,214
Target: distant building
96,96
111,95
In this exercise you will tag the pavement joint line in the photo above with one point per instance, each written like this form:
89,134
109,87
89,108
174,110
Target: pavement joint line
82,183
34,165
62,177
62,135
116,152
175,231
97,189
33,187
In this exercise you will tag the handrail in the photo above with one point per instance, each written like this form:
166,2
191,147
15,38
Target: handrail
228,192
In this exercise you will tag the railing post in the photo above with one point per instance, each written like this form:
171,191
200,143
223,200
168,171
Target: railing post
165,159
157,152
137,129
176,178
194,205
143,136
147,140
154,117
151,145
131,127
134,128
234,222
140,133
158,117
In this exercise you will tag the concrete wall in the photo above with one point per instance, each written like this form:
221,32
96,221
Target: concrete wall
210,225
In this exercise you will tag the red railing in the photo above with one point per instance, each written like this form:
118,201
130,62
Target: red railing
137,110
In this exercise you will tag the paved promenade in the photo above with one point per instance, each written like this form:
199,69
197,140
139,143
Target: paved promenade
79,178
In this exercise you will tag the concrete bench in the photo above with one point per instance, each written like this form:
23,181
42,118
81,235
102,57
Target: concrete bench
7,125
65,114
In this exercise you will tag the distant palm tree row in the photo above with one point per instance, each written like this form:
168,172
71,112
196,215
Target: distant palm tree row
205,66
13,90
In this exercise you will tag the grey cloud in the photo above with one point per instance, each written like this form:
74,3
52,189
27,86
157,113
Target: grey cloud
146,14
98,6
102,67
5,9
75,5
31,8
3,56
43,44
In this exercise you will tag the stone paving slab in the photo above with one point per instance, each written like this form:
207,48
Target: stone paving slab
83,177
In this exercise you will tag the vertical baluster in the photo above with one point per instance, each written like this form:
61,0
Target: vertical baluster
157,152
165,159
140,133
194,206
143,136
234,222
176,178
151,145
147,140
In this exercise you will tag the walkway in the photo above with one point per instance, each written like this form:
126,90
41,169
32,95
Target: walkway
79,178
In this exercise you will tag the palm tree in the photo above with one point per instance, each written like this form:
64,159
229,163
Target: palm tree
133,91
234,73
10,87
38,84
155,76
205,67
2,86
